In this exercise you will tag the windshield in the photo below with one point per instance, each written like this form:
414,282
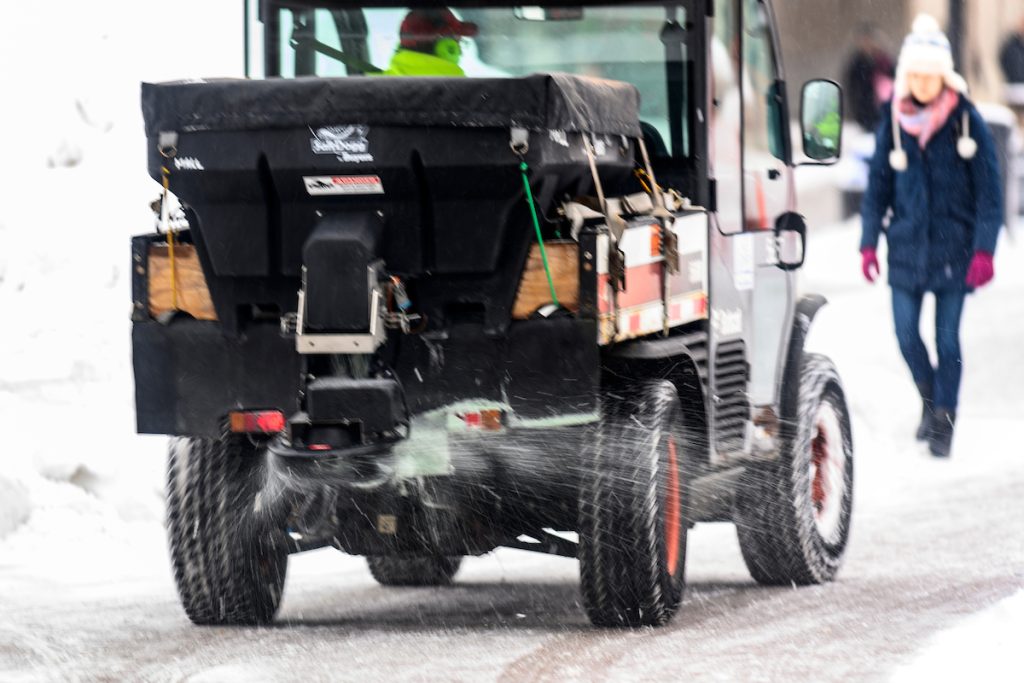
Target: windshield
623,43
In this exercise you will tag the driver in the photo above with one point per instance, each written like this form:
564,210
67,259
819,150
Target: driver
430,44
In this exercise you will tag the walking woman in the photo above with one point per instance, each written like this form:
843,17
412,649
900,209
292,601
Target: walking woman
934,190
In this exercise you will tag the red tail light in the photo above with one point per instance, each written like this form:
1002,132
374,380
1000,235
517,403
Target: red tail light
257,421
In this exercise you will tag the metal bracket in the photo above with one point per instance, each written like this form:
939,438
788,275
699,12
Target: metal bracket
616,267
167,144
670,248
338,343
519,141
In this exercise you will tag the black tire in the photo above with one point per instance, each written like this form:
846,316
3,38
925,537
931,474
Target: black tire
793,515
413,571
227,548
632,525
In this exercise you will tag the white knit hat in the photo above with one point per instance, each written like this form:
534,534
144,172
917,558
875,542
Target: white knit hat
926,49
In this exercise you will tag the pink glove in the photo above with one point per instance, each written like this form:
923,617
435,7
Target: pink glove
981,271
869,263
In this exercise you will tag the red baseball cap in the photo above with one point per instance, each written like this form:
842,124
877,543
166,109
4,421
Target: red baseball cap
425,26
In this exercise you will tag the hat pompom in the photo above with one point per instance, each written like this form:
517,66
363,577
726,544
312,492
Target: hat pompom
898,160
966,147
926,23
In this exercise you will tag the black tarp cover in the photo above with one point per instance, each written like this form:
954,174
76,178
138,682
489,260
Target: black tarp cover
539,102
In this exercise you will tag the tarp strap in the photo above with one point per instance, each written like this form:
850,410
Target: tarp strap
523,168
168,148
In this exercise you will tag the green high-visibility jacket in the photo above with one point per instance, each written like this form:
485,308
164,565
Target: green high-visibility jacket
412,63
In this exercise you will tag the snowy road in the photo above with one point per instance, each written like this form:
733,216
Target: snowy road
85,593
919,562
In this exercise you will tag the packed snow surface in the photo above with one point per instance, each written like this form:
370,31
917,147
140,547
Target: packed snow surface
984,647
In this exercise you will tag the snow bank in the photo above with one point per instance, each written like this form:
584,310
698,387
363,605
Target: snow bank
74,154
985,647
14,505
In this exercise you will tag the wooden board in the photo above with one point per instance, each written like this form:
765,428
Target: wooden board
193,294
534,292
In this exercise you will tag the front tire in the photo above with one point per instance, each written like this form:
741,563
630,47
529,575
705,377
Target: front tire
228,549
793,515
413,571
631,516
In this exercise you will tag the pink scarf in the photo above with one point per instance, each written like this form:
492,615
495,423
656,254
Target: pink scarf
924,122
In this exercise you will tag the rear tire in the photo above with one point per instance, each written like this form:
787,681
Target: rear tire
793,515
228,551
413,571
631,516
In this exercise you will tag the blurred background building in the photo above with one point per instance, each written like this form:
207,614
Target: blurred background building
827,37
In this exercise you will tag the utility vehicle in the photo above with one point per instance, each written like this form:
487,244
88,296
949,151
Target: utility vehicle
550,304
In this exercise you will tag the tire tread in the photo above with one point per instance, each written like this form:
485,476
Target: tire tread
774,522
229,562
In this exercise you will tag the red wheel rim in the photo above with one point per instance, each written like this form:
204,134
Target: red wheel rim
828,473
819,460
672,510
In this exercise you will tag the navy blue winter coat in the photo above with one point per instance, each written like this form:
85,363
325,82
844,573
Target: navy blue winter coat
944,208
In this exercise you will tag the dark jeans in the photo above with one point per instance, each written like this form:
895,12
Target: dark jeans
944,380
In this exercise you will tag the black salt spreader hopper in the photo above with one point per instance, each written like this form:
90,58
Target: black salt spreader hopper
419,319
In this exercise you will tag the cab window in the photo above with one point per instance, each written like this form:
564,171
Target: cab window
727,116
511,41
765,189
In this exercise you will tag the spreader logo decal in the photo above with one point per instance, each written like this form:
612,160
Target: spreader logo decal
343,184
348,143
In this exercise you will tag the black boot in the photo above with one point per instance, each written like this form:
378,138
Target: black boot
927,412
940,437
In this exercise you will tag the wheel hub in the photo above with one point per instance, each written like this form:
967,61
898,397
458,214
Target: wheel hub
828,473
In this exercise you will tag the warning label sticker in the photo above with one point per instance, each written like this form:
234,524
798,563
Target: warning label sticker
343,184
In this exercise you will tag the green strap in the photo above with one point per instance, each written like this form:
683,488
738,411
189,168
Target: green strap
536,226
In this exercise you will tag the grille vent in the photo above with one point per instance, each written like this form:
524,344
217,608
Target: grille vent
732,409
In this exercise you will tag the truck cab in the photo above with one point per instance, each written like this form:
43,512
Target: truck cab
715,119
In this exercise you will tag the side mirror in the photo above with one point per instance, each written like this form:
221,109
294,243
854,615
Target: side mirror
821,120
790,240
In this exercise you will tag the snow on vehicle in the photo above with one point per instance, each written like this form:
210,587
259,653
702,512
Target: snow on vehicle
550,305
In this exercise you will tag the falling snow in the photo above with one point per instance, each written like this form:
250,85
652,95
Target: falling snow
930,588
